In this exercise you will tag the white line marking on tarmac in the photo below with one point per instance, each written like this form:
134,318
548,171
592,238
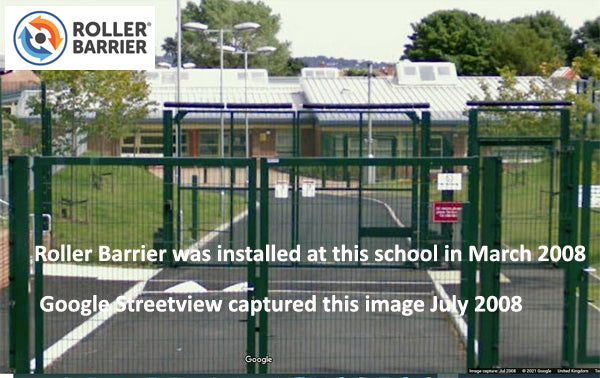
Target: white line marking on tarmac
218,231
105,273
76,335
356,282
241,287
72,338
457,320
186,287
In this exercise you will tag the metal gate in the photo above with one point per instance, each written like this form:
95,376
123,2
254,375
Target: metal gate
588,339
125,203
310,204
538,209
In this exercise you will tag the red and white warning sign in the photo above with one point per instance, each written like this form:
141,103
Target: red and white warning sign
446,211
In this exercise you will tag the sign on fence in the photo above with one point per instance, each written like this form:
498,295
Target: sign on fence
449,181
594,196
308,188
446,212
281,189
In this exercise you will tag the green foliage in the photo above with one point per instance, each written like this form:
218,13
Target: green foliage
548,27
519,47
353,71
480,47
122,207
121,99
457,36
586,37
198,48
101,103
546,124
587,65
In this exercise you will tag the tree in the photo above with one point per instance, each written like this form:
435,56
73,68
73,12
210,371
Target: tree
586,37
84,103
546,123
95,103
519,47
453,35
547,26
202,48
121,99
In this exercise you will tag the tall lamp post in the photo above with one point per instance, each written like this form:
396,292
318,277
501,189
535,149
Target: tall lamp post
259,50
200,27
244,26
371,169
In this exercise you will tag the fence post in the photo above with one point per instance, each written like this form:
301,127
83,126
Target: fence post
168,186
567,236
195,208
18,171
588,150
251,328
491,227
424,185
468,283
263,279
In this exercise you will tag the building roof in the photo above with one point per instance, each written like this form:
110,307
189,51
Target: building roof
434,83
13,84
202,86
447,101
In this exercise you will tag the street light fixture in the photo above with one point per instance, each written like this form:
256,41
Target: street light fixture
200,27
258,50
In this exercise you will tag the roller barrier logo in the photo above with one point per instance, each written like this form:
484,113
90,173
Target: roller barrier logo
83,37
40,38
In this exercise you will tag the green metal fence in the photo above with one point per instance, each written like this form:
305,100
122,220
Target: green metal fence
123,204
313,203
588,346
538,209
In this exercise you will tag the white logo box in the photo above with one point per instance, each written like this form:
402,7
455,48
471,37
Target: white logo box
96,37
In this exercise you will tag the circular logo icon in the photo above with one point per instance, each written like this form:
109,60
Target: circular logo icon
40,38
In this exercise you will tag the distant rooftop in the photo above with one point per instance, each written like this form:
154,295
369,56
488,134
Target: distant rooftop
209,77
426,73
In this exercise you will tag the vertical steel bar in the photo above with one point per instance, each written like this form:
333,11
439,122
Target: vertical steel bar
18,173
262,284
468,286
424,184
195,208
46,150
360,134
178,212
231,180
294,194
491,213
414,203
582,349
551,194
473,143
251,327
585,241
168,185
40,171
567,236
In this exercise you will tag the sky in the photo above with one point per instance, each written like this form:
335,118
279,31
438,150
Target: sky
355,29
